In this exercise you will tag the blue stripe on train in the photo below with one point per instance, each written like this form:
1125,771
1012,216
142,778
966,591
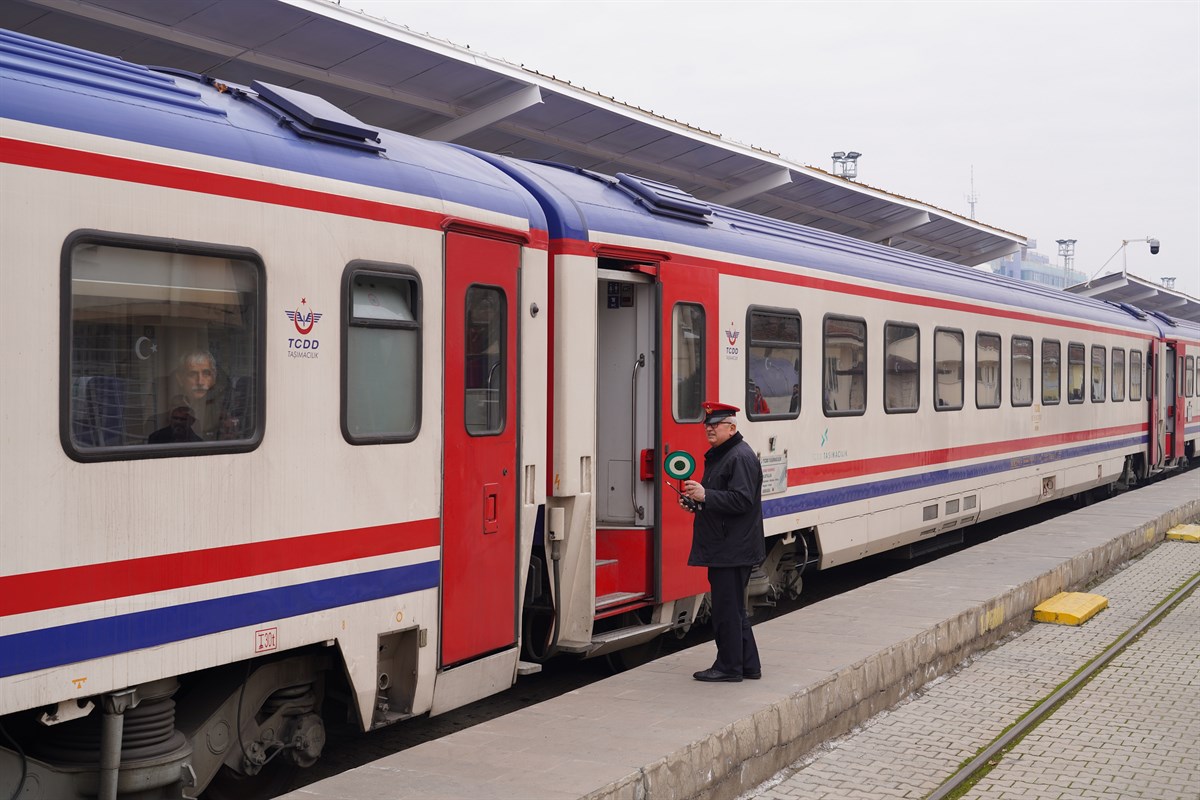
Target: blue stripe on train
80,641
864,491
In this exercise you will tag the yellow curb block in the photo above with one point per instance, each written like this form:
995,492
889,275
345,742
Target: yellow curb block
1185,533
1070,608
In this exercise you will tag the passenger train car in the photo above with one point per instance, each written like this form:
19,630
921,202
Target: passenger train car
350,421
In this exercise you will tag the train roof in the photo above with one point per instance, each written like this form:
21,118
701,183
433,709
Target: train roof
65,87
580,204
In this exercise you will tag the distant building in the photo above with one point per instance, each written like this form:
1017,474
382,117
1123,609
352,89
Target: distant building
1030,265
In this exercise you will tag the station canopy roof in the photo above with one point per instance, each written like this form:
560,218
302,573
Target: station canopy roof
1122,287
387,75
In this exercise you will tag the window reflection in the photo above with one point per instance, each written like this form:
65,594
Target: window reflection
845,379
948,365
687,361
484,401
902,364
383,368
163,348
773,366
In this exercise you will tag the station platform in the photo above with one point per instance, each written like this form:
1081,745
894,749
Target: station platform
914,641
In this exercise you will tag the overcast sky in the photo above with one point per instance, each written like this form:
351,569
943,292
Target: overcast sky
1081,119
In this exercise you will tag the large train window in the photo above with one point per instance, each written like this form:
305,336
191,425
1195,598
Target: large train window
901,368
1135,374
381,360
1075,375
845,379
163,348
687,362
1118,374
1051,372
773,366
1022,371
1189,372
987,370
948,369
1099,373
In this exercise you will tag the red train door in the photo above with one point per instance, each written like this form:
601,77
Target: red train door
691,335
479,508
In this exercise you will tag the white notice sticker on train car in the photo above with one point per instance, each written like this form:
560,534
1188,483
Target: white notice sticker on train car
774,469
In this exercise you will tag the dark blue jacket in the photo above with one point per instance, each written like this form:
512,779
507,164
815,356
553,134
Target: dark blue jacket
728,529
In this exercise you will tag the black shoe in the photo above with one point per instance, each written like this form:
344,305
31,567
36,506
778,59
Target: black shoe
752,676
712,676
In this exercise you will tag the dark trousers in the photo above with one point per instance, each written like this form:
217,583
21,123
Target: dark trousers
737,654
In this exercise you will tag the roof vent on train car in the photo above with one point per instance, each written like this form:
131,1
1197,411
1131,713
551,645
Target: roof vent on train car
665,199
316,118
1168,320
94,73
587,173
1131,310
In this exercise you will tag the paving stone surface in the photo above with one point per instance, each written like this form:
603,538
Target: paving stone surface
1133,731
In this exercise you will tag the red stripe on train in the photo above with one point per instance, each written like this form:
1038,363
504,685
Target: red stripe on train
838,470
56,588
59,159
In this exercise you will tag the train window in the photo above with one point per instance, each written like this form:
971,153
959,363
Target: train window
948,369
687,362
164,349
1051,372
901,367
773,368
484,395
381,381
1099,373
1075,375
1189,380
1118,374
987,370
845,378
1022,371
1135,374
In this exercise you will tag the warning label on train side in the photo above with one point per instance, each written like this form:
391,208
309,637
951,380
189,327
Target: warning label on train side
774,469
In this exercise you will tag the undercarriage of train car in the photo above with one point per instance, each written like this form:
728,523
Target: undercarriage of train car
174,738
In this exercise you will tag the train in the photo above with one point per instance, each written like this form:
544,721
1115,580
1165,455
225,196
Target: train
304,418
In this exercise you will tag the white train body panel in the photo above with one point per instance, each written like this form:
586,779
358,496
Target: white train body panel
302,481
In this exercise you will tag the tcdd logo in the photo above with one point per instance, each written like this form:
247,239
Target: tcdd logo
304,319
731,335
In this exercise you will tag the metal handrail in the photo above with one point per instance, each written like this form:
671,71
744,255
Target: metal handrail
633,473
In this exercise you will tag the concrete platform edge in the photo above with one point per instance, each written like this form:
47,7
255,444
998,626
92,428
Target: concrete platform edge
753,748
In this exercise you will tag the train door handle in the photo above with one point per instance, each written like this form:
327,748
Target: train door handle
491,495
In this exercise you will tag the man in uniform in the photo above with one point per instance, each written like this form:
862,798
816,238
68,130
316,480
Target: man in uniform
727,538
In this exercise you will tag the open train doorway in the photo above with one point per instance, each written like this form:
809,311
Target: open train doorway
626,432
1166,428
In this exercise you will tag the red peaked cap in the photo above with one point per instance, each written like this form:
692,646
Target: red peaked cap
715,412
